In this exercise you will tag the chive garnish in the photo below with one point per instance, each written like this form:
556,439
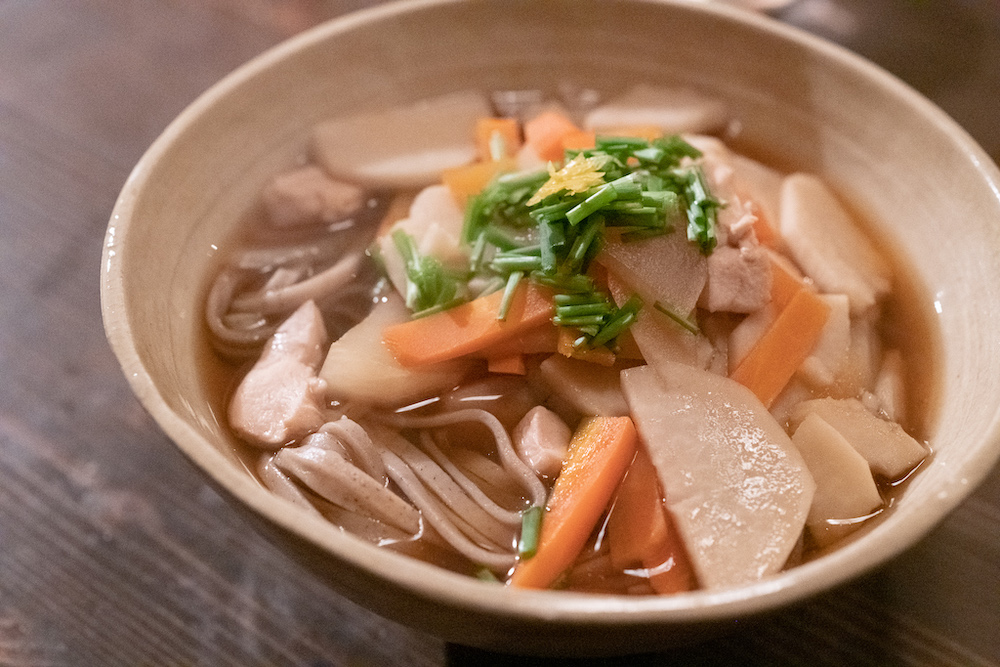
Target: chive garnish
508,293
547,227
679,319
531,525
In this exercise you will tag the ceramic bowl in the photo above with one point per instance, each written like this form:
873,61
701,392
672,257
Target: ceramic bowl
926,186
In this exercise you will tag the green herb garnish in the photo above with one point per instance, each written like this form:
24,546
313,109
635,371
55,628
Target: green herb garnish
531,526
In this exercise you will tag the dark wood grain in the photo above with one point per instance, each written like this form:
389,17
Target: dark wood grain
115,551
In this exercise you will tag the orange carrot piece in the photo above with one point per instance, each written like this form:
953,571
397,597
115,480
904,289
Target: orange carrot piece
785,281
508,128
647,132
641,533
599,454
669,567
545,132
770,364
468,328
637,523
469,180
538,340
579,140
596,355
511,364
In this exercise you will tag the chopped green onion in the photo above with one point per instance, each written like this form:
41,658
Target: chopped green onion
626,315
531,526
604,196
484,573
679,319
508,294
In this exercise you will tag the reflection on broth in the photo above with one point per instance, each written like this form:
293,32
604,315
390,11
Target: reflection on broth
585,346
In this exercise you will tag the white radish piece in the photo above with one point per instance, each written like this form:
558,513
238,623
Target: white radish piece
592,390
666,268
889,450
845,488
827,244
671,110
737,487
890,387
824,363
659,337
402,147
359,367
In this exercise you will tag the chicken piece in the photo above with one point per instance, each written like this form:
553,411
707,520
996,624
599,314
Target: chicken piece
739,280
542,441
307,195
281,398
435,222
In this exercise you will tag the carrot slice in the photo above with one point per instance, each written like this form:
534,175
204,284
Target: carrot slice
511,364
773,360
637,523
641,533
596,355
509,130
647,132
468,328
579,140
599,454
545,132
469,180
786,281
669,567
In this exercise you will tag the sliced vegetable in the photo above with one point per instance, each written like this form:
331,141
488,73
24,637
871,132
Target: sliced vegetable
772,362
469,327
641,533
599,454
544,133
469,180
713,463
497,138
510,364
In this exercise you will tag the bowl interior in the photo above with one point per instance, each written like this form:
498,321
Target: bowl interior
924,184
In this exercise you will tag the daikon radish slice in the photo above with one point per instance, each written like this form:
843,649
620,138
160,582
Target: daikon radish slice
737,487
403,146
889,450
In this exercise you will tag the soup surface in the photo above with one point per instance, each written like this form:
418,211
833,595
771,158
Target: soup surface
577,344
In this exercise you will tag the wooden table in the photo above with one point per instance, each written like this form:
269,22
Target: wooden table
115,551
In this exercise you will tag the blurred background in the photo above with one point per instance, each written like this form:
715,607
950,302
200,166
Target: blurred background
114,550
